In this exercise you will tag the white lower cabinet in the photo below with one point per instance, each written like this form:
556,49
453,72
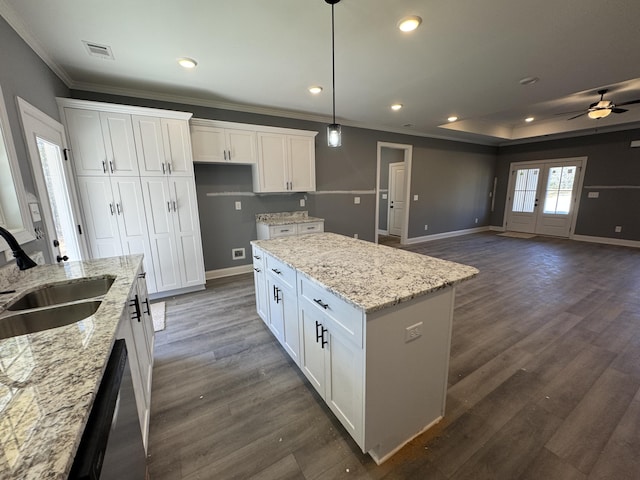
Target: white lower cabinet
385,383
260,283
136,328
115,220
174,232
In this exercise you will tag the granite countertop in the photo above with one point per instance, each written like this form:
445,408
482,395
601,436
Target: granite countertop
370,276
286,218
48,379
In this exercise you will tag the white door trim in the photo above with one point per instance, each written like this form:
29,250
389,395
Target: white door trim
579,188
408,160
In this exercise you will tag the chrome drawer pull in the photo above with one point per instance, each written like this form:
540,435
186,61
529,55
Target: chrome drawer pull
321,303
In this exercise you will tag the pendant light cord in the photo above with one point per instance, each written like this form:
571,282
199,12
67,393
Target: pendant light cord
333,64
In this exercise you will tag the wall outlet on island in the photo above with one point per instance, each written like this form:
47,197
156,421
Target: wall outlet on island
426,227
237,254
355,235
618,229
412,332
302,202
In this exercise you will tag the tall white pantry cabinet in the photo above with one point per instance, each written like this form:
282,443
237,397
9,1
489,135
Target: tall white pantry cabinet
134,172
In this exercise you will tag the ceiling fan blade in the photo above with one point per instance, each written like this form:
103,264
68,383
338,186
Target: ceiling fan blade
628,103
562,114
619,110
583,113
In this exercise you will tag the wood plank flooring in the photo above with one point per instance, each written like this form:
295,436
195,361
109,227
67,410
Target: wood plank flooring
544,379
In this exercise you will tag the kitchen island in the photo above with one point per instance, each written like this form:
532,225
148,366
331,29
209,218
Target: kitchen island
48,379
368,325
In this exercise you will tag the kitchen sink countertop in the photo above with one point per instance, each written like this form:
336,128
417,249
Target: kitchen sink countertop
48,379
370,276
286,218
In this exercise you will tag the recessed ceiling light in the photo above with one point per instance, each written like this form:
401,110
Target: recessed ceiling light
528,80
529,119
452,118
409,24
315,89
187,62
396,106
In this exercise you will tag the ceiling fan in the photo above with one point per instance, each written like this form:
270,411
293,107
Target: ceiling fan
603,108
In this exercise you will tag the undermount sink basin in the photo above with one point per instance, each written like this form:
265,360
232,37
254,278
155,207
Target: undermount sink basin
63,293
38,320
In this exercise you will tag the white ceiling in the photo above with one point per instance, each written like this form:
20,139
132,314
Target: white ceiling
466,59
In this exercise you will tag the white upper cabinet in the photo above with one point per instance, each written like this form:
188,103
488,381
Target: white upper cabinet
163,146
102,143
213,143
286,163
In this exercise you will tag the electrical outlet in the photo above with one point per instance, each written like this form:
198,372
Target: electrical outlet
415,198
238,205
593,194
356,200
355,235
426,227
237,254
476,220
384,196
618,229
302,202
412,332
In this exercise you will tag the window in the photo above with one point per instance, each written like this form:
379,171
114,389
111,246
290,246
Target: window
524,196
559,187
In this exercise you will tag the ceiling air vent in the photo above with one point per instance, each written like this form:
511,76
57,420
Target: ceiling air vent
102,51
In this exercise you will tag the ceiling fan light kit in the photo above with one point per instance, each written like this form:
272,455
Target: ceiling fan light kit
603,108
334,130
599,113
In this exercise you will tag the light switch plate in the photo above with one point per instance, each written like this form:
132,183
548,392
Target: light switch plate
384,196
593,194
356,200
238,205
415,198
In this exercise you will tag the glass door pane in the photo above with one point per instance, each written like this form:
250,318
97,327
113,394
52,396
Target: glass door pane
559,190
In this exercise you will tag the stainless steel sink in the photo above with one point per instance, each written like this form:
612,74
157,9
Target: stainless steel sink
38,320
59,293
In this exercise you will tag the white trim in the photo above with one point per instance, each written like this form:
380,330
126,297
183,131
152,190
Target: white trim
610,187
120,108
495,228
608,241
228,272
383,232
343,192
230,194
205,122
440,236
173,293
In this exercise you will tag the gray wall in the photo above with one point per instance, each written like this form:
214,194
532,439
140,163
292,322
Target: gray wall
24,74
611,163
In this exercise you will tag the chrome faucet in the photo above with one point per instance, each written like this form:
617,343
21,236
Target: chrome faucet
22,259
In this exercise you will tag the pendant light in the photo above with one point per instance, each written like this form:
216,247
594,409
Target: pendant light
334,130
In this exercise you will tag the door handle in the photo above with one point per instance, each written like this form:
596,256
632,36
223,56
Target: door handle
135,303
148,310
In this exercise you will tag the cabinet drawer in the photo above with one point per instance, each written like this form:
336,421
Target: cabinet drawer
311,227
258,258
283,272
282,230
343,318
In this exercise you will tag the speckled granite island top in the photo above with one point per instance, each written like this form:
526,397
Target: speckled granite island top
286,218
370,276
48,379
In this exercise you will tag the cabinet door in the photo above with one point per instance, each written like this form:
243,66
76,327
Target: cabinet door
186,227
291,333
272,163
177,147
209,144
159,210
312,357
100,218
87,144
302,163
344,374
149,144
117,131
241,146
262,301
132,221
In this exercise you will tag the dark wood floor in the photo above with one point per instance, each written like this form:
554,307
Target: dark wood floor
544,379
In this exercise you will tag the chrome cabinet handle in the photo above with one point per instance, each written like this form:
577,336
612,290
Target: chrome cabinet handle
321,303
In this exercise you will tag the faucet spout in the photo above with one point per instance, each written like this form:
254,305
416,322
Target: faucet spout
22,259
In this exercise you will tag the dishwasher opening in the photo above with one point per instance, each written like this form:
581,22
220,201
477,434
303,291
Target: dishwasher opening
111,445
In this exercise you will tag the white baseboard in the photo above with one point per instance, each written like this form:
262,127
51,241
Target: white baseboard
496,228
383,232
228,272
607,240
439,236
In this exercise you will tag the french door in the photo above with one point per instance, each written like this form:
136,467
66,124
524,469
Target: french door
396,198
543,196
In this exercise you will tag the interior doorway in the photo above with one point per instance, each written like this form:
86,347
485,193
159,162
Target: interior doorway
543,196
392,192
46,144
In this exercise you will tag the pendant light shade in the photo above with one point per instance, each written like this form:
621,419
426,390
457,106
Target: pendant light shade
334,130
